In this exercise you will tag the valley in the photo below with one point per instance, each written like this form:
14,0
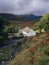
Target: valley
17,47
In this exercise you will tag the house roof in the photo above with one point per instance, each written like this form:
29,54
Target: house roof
27,31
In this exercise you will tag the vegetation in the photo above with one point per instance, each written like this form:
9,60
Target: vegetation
7,52
32,50
36,49
42,24
36,54
13,29
19,17
5,29
3,24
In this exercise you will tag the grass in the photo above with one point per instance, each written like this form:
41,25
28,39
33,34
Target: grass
5,53
36,54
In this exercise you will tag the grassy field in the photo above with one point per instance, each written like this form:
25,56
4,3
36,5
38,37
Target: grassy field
22,23
37,53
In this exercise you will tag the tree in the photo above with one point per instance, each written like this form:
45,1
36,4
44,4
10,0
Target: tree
3,25
43,23
38,26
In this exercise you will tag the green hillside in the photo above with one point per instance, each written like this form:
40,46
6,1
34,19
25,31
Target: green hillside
36,49
37,53
31,50
14,17
43,24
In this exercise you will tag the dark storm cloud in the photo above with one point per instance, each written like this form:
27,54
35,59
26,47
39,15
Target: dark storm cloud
38,7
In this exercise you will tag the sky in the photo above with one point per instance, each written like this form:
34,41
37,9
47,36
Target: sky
23,7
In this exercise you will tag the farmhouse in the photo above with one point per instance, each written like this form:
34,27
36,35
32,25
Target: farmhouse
27,32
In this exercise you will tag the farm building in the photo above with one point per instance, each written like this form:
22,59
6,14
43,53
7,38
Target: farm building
27,32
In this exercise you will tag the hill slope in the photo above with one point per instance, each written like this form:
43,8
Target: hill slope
19,17
43,23
36,54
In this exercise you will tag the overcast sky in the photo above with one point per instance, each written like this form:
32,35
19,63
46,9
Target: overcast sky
38,7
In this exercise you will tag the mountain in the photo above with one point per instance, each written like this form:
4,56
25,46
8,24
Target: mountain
19,17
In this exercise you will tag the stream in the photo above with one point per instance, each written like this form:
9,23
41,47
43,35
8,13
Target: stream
15,41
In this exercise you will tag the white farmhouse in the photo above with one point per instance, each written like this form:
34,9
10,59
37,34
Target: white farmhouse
27,32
